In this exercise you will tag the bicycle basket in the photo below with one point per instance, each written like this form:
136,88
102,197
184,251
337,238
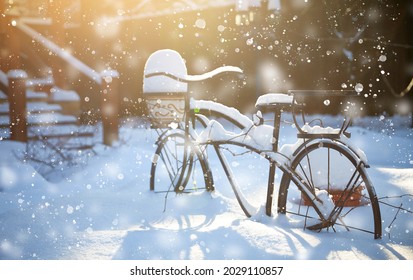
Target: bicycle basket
164,95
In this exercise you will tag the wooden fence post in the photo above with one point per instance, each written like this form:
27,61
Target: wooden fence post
17,102
110,106
12,45
58,32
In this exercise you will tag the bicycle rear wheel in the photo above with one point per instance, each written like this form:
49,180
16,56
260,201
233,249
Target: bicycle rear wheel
331,169
179,166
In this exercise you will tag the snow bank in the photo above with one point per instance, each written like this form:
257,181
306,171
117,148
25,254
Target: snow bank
104,209
16,175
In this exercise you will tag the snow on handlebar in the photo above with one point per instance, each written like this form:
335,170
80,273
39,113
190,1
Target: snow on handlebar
196,78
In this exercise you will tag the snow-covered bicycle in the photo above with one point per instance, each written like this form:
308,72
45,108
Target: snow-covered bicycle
324,182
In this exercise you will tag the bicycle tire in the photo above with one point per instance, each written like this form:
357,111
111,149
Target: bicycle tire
343,175
176,164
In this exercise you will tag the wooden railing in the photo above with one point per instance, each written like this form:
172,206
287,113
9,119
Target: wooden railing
107,81
58,51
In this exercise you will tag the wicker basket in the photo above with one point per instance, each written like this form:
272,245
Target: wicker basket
163,110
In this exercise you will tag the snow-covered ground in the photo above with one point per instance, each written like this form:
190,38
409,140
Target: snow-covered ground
101,208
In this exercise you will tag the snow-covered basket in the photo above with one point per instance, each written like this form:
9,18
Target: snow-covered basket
164,95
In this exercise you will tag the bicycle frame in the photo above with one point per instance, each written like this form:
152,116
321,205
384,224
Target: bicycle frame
338,140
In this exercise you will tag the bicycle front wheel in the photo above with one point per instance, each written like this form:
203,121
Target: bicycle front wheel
330,168
179,166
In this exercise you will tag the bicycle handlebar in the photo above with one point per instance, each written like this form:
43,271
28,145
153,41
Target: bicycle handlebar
197,78
323,93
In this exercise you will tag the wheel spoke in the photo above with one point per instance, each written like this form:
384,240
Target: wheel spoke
347,193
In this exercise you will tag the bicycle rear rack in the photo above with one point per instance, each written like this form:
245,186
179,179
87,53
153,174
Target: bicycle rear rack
308,132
